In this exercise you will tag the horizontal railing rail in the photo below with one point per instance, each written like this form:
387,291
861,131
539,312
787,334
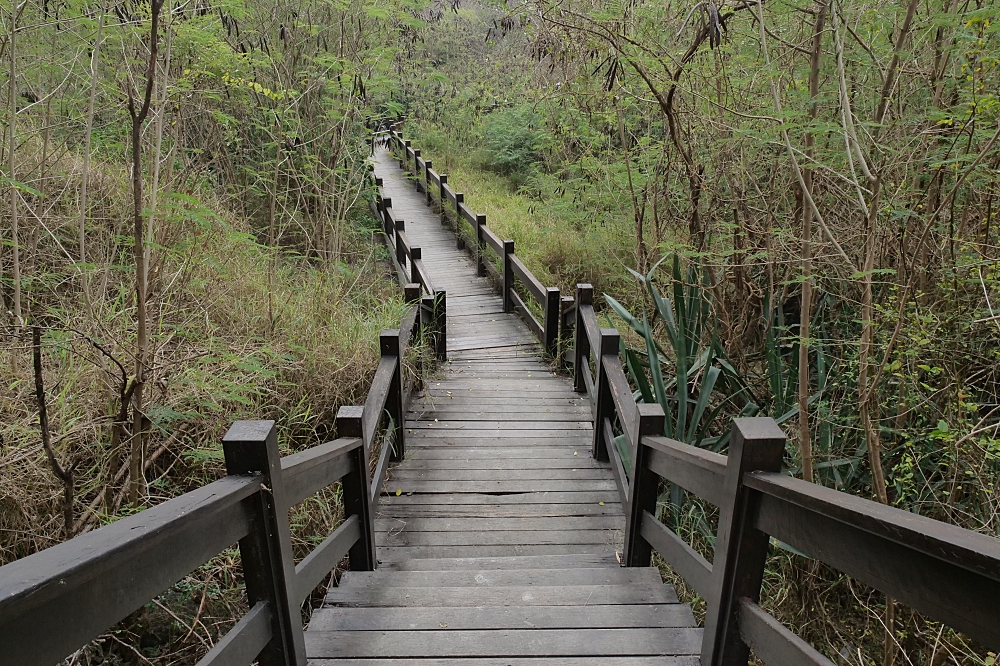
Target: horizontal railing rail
512,272
55,601
946,572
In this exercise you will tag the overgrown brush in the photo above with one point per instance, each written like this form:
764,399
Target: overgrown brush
240,330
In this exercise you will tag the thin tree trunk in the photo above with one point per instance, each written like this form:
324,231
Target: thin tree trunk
64,474
14,192
805,314
142,338
85,178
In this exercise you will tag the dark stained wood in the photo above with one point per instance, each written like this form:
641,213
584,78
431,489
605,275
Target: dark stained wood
56,600
242,643
316,566
696,470
944,571
251,447
478,597
756,444
308,471
685,560
772,642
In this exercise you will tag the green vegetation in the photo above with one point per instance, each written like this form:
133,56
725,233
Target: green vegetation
791,207
828,171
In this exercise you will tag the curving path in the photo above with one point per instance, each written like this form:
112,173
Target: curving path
497,534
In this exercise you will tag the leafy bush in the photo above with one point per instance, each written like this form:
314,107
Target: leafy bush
513,139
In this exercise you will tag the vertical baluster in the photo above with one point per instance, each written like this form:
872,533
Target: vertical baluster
441,324
480,251
756,444
388,342
643,487
550,327
414,273
459,239
581,343
356,489
251,447
605,404
508,275
443,196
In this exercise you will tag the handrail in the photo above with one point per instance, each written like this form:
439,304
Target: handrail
437,188
959,578
56,600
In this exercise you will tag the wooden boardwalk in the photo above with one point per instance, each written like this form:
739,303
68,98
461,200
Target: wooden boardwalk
497,536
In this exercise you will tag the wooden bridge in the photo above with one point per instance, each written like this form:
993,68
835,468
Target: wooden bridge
489,515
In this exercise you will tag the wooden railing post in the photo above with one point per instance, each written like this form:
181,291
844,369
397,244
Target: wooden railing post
356,490
400,251
388,342
414,257
251,447
441,325
643,487
756,445
565,327
581,343
427,181
411,292
403,160
386,205
444,181
416,168
550,327
508,275
480,261
459,239
605,403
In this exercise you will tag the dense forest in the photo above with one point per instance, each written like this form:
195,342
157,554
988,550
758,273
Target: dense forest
788,208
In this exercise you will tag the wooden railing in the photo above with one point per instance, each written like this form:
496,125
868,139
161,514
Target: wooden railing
55,601
487,247
948,573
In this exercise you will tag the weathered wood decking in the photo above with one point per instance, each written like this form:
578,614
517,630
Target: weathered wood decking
497,534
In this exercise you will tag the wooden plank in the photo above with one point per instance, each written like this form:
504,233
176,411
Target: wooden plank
561,473
526,661
242,643
411,525
685,560
503,577
534,286
308,471
696,470
500,537
518,595
505,486
574,496
389,554
617,616
555,423
604,559
56,600
774,643
318,564
502,456
520,437
507,464
944,571
421,439
506,642
503,511
526,315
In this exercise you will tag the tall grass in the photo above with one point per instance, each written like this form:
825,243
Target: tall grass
240,331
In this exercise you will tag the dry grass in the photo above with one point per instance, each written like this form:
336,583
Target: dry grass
239,331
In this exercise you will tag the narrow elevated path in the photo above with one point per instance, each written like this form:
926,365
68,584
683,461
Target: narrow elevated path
497,534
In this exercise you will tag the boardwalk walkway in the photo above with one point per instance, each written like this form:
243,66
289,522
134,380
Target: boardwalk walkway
497,534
